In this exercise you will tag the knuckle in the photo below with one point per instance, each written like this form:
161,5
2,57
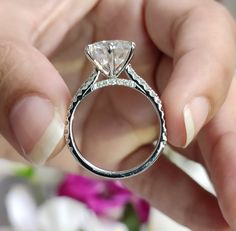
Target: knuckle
210,12
8,50
5,53
11,54
6,64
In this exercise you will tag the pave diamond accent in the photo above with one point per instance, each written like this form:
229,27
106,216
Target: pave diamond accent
110,57
112,82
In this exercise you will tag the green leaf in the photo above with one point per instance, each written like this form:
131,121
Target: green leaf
25,171
130,218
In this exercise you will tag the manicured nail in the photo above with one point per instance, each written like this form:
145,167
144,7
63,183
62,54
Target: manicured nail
195,116
37,126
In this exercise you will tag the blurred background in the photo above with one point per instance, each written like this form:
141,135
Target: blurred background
45,199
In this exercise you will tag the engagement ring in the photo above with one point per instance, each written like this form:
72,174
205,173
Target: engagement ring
110,59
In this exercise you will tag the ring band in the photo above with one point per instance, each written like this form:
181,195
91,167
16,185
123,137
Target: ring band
111,58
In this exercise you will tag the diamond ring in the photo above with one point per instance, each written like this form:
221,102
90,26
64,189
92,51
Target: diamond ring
111,58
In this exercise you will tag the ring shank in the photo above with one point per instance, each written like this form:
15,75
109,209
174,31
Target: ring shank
135,82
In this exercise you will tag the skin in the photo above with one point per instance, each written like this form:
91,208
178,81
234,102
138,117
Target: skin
184,49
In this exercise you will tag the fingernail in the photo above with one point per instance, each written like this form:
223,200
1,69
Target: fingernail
195,115
37,126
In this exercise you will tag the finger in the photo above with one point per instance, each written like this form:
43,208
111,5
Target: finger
171,191
33,101
164,71
217,143
55,20
200,37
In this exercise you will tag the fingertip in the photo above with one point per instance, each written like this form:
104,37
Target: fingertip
34,103
185,120
195,115
37,127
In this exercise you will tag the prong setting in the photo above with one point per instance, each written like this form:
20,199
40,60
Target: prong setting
110,57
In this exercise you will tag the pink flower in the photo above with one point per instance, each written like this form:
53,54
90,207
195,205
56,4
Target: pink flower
102,196
143,210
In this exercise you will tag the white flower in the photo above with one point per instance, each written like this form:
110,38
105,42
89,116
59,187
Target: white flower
61,213
21,208
56,214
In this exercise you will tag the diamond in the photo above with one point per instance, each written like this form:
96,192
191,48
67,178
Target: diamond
110,57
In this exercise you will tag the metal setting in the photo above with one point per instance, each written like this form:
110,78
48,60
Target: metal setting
116,65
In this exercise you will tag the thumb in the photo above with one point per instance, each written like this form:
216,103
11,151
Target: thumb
33,102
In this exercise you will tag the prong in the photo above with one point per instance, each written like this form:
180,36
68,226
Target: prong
110,46
129,57
133,45
90,58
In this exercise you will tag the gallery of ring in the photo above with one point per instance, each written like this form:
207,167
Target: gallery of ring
110,59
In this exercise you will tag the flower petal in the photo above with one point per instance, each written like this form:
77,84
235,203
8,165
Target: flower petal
61,213
21,208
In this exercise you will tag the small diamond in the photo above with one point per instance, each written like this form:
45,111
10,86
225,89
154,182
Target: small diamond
113,82
110,57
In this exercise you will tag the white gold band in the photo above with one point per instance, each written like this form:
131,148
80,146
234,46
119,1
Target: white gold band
135,82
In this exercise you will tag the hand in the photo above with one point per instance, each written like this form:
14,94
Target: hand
185,50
